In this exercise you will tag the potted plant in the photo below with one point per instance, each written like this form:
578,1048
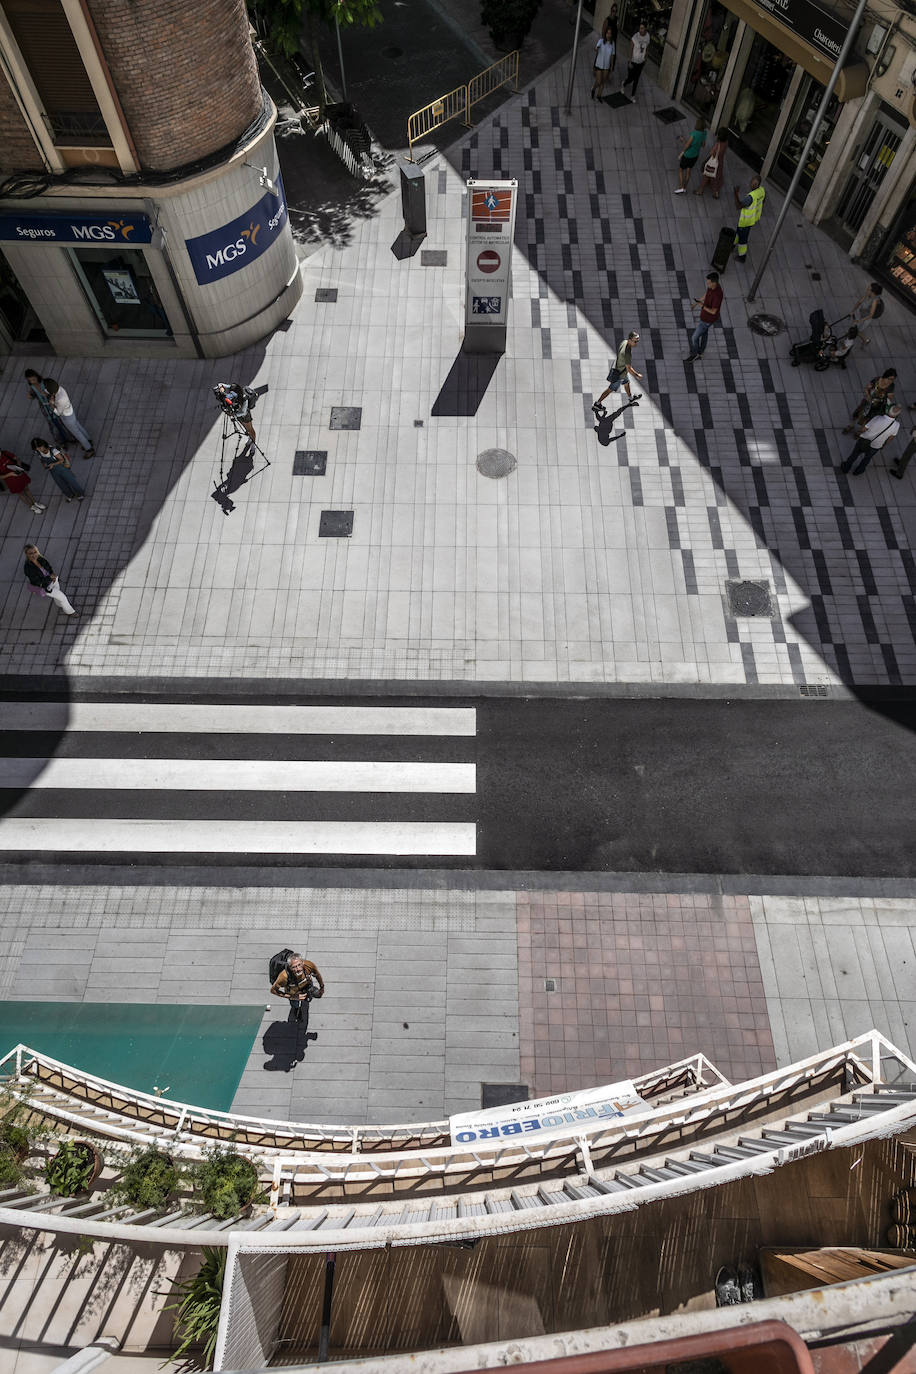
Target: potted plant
197,1305
148,1179
74,1168
223,1182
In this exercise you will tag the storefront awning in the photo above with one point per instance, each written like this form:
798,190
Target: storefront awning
809,36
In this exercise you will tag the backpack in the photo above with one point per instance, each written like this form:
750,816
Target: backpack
277,964
879,309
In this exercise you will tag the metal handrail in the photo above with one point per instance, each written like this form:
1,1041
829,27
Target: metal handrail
460,100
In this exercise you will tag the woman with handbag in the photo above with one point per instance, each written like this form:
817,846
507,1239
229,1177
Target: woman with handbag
56,462
43,579
714,167
15,477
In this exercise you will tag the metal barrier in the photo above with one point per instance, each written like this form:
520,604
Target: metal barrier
460,100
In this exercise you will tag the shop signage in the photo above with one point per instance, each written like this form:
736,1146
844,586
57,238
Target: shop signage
491,228
234,245
118,227
544,1117
823,31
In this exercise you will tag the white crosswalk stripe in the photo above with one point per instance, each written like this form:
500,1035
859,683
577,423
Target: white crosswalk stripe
135,778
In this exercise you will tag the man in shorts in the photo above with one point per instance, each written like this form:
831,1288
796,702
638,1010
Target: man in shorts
299,982
620,374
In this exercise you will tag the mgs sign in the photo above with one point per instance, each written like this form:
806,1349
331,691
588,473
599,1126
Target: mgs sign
234,245
117,227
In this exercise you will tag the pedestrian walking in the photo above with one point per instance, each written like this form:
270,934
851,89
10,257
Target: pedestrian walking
63,409
900,464
750,208
296,979
710,308
620,374
640,47
604,53
690,152
15,477
869,306
878,399
879,430
44,579
36,389
714,166
609,31
57,463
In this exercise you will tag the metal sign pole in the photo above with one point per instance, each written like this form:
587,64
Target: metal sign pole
802,161
572,61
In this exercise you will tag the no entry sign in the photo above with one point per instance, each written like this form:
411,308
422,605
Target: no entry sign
489,260
490,237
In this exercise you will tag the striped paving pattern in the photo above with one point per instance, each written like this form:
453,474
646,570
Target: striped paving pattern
158,778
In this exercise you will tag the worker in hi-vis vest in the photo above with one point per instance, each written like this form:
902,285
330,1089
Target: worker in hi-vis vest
750,208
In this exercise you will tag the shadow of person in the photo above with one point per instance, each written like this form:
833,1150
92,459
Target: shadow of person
604,427
239,474
286,1042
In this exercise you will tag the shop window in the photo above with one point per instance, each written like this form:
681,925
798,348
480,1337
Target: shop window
656,15
121,291
710,58
16,313
798,129
898,266
761,92
49,50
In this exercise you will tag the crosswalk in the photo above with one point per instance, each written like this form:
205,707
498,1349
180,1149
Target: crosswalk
135,779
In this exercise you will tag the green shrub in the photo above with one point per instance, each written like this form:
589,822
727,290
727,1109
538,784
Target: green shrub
70,1171
223,1182
197,1306
148,1180
15,1138
12,1174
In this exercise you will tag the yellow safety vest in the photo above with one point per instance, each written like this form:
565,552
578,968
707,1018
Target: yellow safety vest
750,214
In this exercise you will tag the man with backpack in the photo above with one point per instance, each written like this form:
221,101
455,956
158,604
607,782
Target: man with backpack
295,978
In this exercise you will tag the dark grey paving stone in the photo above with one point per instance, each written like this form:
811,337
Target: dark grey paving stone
310,462
326,295
335,524
346,417
433,257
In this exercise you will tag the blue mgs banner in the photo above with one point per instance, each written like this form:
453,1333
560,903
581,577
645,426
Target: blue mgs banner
233,246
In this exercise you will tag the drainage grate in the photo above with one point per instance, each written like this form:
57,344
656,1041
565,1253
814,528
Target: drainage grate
815,691
616,100
496,462
668,115
310,462
766,324
502,1094
335,524
326,295
749,598
346,417
434,257
551,984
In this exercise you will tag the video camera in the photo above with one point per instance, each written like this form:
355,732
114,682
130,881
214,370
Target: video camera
230,398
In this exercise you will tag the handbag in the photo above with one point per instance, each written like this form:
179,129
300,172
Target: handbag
712,166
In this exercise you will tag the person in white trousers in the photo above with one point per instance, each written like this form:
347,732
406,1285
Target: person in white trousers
43,577
63,409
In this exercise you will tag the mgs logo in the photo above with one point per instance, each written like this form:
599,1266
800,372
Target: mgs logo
248,238
105,233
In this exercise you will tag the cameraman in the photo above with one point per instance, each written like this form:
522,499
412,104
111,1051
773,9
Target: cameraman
295,982
237,400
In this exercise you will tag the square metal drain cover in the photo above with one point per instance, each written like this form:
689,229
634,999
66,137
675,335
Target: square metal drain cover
501,1094
326,295
749,598
434,257
346,417
335,524
668,115
615,100
310,462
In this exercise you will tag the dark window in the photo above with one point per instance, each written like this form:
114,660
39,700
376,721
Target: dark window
49,50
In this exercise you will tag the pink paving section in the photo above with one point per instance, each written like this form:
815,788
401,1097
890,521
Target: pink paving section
641,982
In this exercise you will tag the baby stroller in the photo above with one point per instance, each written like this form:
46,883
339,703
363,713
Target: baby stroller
821,345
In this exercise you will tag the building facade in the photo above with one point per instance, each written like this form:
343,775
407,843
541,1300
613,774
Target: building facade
142,210
759,69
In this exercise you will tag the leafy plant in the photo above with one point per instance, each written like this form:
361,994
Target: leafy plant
278,23
508,20
12,1174
15,1139
148,1180
197,1305
71,1170
224,1182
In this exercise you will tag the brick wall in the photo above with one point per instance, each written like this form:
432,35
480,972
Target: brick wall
18,152
184,71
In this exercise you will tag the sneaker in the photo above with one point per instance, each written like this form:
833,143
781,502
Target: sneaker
728,1293
598,409
680,191
749,1284
692,358
636,398
90,453
894,473
37,509
68,499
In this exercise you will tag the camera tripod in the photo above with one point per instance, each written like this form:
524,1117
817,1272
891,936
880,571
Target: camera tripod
242,463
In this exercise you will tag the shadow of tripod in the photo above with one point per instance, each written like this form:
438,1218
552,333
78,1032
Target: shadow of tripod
241,467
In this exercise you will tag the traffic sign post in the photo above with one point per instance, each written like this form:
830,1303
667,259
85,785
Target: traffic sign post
491,231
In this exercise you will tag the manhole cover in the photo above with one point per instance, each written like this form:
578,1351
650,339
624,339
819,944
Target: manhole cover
392,52
326,295
616,100
766,324
749,598
335,524
310,462
668,115
495,462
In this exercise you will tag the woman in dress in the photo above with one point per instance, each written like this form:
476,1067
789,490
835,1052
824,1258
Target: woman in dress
16,479
714,166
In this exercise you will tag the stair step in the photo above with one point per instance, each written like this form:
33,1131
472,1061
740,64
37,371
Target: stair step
754,1145
630,1181
733,1152
656,1173
779,1137
708,1161
803,1129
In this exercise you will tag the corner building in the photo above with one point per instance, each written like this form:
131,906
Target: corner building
759,68
142,211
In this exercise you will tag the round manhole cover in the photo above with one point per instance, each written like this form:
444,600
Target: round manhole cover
392,52
766,324
495,462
